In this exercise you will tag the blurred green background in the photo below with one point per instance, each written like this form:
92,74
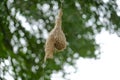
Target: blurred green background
25,24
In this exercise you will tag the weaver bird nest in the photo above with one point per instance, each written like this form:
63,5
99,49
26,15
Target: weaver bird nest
56,39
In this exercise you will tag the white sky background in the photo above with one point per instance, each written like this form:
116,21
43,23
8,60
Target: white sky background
105,68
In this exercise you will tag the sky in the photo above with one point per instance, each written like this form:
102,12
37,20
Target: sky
105,68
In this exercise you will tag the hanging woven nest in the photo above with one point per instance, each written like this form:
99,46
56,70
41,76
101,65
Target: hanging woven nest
56,39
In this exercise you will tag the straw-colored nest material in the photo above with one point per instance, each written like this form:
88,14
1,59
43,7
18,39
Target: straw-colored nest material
56,39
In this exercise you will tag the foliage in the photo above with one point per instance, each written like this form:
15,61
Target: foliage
24,25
